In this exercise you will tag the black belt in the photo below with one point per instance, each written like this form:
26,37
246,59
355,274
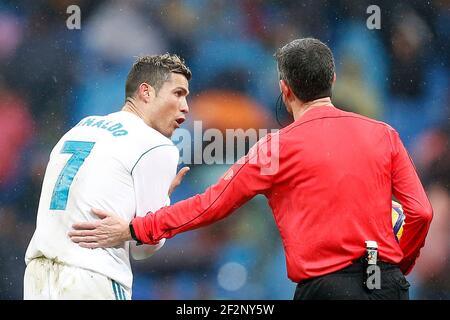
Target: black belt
357,266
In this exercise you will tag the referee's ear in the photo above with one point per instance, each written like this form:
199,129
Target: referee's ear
285,89
287,94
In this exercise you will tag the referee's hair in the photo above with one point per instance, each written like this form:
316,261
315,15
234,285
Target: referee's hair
154,70
308,67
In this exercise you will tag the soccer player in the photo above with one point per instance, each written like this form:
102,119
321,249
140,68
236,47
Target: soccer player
330,194
110,162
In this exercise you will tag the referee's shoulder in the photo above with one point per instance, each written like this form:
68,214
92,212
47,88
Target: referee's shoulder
360,117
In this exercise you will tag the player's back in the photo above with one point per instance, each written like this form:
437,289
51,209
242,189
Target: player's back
91,166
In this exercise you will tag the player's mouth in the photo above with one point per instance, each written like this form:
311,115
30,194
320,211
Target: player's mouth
179,121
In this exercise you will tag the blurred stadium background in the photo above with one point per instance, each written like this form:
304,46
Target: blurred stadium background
50,77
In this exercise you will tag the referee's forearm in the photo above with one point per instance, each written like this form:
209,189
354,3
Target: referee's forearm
217,202
185,215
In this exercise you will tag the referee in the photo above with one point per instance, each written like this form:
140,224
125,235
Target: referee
336,173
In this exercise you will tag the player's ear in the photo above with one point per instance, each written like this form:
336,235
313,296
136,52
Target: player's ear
146,92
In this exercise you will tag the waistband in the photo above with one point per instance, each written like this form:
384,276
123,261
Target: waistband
358,264
357,267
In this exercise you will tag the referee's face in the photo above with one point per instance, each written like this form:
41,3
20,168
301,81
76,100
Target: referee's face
170,107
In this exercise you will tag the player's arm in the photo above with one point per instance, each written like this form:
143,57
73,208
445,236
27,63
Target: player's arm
408,189
153,178
144,251
238,185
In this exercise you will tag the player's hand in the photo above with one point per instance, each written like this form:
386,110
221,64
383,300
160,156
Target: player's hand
177,180
109,231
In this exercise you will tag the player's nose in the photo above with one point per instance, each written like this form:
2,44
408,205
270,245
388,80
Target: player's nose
184,107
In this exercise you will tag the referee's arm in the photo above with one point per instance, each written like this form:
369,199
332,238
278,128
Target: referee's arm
238,185
408,189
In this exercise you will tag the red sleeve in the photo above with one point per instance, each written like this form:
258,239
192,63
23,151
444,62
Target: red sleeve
251,175
408,189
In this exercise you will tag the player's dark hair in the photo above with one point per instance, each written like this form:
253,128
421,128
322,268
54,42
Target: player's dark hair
308,67
154,70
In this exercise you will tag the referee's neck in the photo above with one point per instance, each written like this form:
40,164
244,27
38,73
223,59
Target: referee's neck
302,107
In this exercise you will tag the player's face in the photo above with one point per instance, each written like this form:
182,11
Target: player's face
170,105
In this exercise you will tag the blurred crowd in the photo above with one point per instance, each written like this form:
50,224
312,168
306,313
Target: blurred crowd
51,77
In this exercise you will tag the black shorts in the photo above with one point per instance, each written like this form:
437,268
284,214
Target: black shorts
348,284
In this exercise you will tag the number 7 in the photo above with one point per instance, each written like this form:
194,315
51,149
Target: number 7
79,150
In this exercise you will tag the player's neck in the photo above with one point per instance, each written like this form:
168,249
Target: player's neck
302,107
130,106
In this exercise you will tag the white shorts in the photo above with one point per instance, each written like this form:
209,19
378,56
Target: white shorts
47,279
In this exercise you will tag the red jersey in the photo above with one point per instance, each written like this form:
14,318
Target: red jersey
331,191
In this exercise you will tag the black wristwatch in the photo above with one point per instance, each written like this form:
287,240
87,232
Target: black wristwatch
133,235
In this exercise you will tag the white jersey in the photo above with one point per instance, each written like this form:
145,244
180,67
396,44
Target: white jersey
115,163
